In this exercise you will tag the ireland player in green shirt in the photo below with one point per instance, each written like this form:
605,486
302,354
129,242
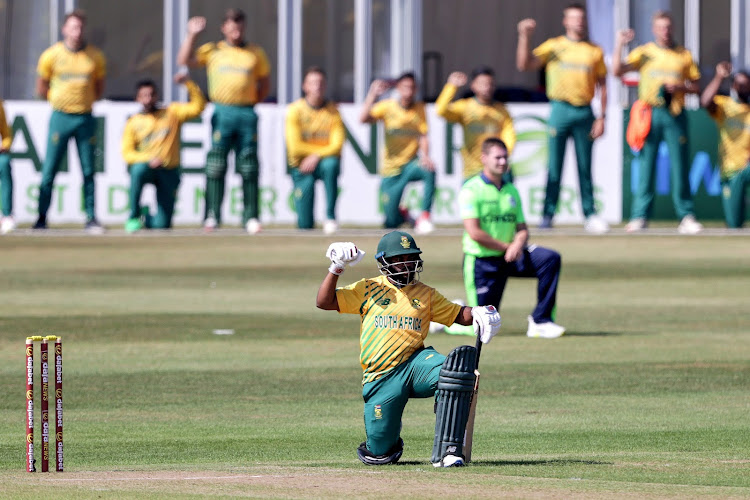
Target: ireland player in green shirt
495,243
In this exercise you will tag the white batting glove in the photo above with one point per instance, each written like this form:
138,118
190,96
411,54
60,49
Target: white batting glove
341,254
486,322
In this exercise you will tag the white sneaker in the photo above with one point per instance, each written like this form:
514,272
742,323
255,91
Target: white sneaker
548,330
210,225
424,225
595,225
330,226
450,461
93,227
635,225
252,226
436,327
7,224
689,225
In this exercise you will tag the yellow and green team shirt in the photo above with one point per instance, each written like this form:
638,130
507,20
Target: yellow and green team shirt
572,69
660,65
157,135
394,321
312,130
71,76
5,133
479,122
233,72
499,212
403,129
733,119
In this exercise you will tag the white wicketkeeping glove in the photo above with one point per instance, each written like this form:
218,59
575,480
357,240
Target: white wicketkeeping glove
486,322
341,254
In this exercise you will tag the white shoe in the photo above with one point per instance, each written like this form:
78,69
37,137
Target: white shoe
7,224
252,226
595,225
548,330
455,328
635,225
94,228
424,225
450,461
689,225
330,226
436,327
210,225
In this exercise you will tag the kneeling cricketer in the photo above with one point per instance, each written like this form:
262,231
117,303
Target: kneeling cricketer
396,310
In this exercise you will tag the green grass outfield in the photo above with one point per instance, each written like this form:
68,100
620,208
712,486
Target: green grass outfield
647,395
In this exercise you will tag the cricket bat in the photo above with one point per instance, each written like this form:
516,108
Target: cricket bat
469,435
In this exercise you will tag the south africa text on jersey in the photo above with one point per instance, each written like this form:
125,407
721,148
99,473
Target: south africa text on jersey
400,322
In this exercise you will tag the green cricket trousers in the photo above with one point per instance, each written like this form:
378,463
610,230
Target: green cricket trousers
233,128
166,181
386,398
392,189
673,130
63,126
566,121
327,170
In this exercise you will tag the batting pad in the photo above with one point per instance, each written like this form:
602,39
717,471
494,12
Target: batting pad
455,388
216,163
247,163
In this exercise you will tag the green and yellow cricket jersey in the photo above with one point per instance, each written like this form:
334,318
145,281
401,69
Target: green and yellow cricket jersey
71,76
312,130
395,321
157,135
733,119
479,122
233,72
572,69
403,129
498,211
659,66
5,133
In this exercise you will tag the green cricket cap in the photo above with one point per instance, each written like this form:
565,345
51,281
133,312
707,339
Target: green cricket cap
396,243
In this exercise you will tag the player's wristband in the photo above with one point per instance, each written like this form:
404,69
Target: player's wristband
336,269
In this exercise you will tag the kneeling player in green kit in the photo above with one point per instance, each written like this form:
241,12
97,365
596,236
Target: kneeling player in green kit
396,310
151,148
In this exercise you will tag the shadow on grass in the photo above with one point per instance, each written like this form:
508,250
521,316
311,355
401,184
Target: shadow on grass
591,334
557,461
500,463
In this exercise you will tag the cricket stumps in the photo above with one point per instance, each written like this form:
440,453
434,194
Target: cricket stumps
45,421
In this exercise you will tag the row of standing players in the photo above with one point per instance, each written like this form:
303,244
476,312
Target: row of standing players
72,73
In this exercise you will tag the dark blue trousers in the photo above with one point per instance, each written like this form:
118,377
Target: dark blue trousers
485,278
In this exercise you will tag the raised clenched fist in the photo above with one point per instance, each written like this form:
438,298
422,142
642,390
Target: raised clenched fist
624,36
526,27
724,69
458,79
341,254
196,25
379,87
